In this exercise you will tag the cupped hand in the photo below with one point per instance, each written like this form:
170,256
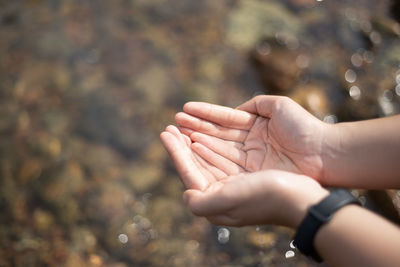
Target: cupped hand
235,197
267,132
227,194
194,171
265,197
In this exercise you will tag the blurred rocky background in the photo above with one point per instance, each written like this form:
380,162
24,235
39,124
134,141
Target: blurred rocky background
87,86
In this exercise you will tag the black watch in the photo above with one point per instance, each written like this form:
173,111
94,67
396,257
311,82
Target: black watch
318,215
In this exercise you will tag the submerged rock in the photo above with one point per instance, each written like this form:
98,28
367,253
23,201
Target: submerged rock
276,66
313,98
253,19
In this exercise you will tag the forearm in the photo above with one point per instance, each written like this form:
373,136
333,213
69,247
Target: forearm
358,237
363,154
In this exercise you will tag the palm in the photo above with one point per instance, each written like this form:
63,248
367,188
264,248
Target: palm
286,138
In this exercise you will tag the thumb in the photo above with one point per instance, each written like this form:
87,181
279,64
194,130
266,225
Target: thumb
261,105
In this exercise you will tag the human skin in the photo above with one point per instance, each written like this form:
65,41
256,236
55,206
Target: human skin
353,237
237,199
283,138
274,132
260,163
358,237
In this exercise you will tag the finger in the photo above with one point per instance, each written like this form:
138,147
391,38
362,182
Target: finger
217,173
208,203
184,139
185,136
217,160
206,174
175,131
203,126
228,149
262,105
209,176
184,165
185,131
224,116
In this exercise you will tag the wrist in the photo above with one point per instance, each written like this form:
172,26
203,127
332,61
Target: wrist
332,152
284,197
317,216
303,202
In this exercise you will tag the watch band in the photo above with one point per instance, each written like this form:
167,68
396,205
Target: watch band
318,215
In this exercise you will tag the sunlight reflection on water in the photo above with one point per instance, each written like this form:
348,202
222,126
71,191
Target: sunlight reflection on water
289,254
292,246
355,92
223,235
123,238
350,76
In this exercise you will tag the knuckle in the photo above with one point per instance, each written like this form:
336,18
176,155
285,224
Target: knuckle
195,210
284,100
281,102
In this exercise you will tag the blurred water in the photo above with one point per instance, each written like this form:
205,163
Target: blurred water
86,87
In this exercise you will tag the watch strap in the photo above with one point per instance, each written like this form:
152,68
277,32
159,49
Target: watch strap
317,216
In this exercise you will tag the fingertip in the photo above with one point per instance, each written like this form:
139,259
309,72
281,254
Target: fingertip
173,130
162,135
165,135
196,146
194,136
169,141
188,105
186,131
184,119
179,116
169,128
200,149
249,104
186,138
200,140
200,137
192,107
